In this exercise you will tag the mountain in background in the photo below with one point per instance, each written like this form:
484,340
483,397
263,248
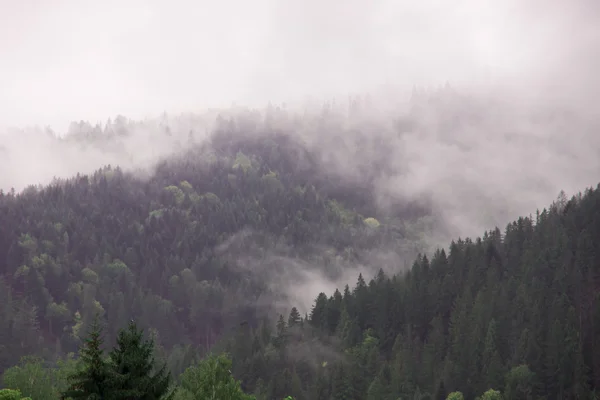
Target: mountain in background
234,229
204,237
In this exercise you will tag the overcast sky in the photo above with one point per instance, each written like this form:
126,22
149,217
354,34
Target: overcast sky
63,60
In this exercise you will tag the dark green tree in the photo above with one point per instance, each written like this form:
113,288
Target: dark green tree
294,318
134,374
93,380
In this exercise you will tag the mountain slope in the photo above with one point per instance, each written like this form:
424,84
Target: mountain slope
216,236
516,311
205,247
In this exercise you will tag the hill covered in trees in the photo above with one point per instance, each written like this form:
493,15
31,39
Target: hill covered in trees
225,246
230,231
514,310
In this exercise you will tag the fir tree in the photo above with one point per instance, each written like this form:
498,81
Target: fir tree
93,380
133,364
294,318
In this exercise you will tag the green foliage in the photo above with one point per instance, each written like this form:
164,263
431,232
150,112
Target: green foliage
186,186
492,395
116,267
156,213
32,379
177,194
346,216
64,369
10,394
127,373
57,311
272,182
520,383
93,379
372,222
455,396
242,161
211,379
132,368
89,276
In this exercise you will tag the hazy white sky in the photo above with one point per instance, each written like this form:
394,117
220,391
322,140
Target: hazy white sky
63,60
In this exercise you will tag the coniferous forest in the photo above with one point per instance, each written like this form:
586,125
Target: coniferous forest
189,283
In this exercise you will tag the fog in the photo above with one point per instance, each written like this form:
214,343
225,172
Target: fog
525,68
65,60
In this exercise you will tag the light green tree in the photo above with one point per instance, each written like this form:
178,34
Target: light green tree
31,379
211,379
492,395
11,394
520,382
455,396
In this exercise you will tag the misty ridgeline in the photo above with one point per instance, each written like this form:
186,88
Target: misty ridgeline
316,249
429,242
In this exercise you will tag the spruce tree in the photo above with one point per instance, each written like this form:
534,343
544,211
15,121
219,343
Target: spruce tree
294,318
92,381
133,366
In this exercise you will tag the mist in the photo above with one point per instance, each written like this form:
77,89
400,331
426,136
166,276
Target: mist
68,60
483,110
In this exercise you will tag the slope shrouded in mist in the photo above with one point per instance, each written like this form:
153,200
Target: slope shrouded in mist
235,227
392,128
517,126
205,250
475,159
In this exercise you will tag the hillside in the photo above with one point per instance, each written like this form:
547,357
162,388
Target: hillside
243,240
514,310
232,230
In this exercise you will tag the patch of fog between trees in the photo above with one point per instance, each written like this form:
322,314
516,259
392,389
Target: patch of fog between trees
291,278
37,155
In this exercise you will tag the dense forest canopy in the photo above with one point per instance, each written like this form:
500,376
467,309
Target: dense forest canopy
285,249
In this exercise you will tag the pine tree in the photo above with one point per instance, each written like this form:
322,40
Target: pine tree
294,318
281,327
133,366
93,381
492,394
492,364
318,312
341,388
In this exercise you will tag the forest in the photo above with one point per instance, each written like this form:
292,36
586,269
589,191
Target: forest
209,270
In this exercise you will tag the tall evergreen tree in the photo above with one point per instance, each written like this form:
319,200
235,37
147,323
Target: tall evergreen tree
133,364
294,317
93,380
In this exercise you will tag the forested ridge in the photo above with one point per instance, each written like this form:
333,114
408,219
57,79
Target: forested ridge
207,254
166,250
